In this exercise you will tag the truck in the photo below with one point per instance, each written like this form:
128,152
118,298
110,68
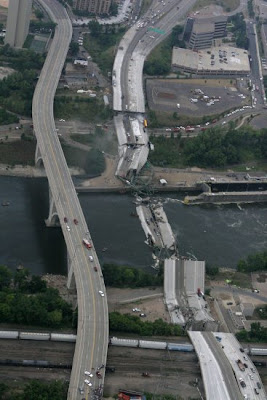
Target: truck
240,365
87,243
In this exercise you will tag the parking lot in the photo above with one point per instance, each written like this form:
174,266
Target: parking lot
197,96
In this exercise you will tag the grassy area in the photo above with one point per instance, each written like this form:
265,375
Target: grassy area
103,51
159,60
159,119
257,165
145,6
238,279
87,110
20,152
227,5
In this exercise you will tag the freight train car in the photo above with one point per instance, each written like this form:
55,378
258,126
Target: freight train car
9,334
123,342
253,351
60,337
34,336
180,347
147,344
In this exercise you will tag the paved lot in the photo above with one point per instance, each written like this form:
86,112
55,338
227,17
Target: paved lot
164,95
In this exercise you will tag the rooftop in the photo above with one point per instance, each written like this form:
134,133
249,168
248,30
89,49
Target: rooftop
223,58
203,28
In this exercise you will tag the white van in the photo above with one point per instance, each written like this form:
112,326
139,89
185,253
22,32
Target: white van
91,258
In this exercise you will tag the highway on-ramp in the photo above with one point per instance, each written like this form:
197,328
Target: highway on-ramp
92,332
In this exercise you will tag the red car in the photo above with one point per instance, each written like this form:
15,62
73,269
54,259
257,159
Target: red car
98,375
75,221
65,219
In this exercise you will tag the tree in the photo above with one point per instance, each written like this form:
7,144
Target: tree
74,49
37,284
5,277
20,279
39,14
36,390
95,28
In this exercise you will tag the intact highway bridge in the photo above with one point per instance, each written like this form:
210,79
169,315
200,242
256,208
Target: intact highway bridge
92,332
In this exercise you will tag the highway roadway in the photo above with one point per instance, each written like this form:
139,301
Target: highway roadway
163,16
255,65
231,348
217,374
92,333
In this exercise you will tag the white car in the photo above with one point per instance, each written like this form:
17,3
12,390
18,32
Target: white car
88,374
68,228
88,382
62,120
101,293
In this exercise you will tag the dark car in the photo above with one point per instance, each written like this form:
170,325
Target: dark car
242,383
75,221
242,350
65,219
259,385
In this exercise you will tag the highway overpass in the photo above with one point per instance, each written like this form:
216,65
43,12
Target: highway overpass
92,332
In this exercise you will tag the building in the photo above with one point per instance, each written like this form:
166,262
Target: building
201,36
221,60
200,31
18,21
92,6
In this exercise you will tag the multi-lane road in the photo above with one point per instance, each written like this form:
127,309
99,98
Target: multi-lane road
92,332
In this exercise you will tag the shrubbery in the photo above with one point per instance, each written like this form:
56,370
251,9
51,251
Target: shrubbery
25,299
254,262
133,324
121,276
16,90
212,148
37,390
257,333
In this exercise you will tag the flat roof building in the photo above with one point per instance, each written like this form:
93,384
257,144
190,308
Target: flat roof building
221,60
18,21
201,30
93,6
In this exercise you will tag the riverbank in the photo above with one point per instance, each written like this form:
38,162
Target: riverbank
176,179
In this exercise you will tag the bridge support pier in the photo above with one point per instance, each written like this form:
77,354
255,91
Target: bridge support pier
52,220
38,157
71,285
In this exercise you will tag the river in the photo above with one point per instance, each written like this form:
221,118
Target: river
221,235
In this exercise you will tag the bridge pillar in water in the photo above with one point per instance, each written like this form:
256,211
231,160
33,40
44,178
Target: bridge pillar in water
52,220
71,285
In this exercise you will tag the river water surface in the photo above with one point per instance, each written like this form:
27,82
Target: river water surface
221,235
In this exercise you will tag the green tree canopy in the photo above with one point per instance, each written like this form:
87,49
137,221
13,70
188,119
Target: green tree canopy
5,277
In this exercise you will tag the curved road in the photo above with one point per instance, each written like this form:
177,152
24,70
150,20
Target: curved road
92,333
